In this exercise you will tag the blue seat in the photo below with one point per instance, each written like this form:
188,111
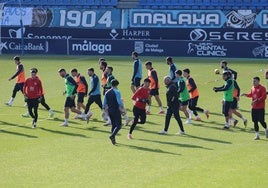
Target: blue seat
142,2
27,2
190,2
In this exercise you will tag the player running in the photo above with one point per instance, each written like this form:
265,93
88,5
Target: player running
228,90
20,76
234,106
32,91
94,93
223,65
184,96
112,102
194,95
103,66
82,88
266,77
108,85
258,95
110,77
137,72
140,98
172,69
42,101
154,87
71,89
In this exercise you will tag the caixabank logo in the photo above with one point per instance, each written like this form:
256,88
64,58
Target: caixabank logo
30,46
3,45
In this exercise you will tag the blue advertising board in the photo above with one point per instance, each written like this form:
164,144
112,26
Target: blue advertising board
170,48
230,49
218,34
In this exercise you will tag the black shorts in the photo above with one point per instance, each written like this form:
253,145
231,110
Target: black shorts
184,103
69,102
226,106
18,87
257,115
94,98
154,92
234,104
136,82
32,103
80,97
193,101
139,113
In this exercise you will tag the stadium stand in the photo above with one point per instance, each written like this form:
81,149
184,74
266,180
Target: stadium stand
64,3
204,4
146,4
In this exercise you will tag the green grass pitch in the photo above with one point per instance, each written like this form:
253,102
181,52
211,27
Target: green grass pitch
81,155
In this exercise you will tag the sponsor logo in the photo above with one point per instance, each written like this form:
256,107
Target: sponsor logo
261,51
149,18
139,47
16,33
198,34
3,45
130,34
21,32
148,47
29,46
202,35
206,49
113,34
88,46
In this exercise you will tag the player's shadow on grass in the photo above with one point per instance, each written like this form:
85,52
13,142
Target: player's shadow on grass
148,149
63,133
17,134
215,114
96,129
95,120
14,125
55,111
216,127
145,130
150,123
209,139
175,144
61,120
243,129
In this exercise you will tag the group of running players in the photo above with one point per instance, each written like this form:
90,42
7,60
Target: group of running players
181,94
